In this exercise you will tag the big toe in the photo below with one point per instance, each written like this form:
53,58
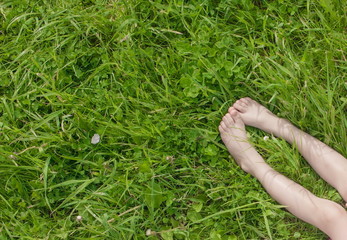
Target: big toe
237,118
245,100
240,106
248,99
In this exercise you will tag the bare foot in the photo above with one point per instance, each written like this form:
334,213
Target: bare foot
328,163
233,133
256,115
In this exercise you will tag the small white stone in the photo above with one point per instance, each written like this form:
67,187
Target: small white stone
148,232
266,138
79,218
95,139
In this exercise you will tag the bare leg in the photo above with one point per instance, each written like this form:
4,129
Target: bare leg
328,216
328,163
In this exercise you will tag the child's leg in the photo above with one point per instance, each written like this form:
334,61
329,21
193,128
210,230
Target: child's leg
328,163
326,215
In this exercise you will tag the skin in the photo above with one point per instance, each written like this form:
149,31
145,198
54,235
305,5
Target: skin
326,215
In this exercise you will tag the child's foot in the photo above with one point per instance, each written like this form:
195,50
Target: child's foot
256,115
233,133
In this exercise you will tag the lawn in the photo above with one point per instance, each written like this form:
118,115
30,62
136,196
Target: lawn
153,78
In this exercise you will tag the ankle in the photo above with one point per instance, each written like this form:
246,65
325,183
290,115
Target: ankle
283,128
273,125
260,170
253,166
288,131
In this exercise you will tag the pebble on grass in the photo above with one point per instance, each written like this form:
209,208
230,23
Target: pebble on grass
266,138
95,139
149,232
79,218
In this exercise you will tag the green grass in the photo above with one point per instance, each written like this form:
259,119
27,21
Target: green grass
153,79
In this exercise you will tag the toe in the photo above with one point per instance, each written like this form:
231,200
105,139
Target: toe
244,100
231,109
237,118
224,127
238,122
224,119
250,101
233,114
228,119
220,128
239,106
